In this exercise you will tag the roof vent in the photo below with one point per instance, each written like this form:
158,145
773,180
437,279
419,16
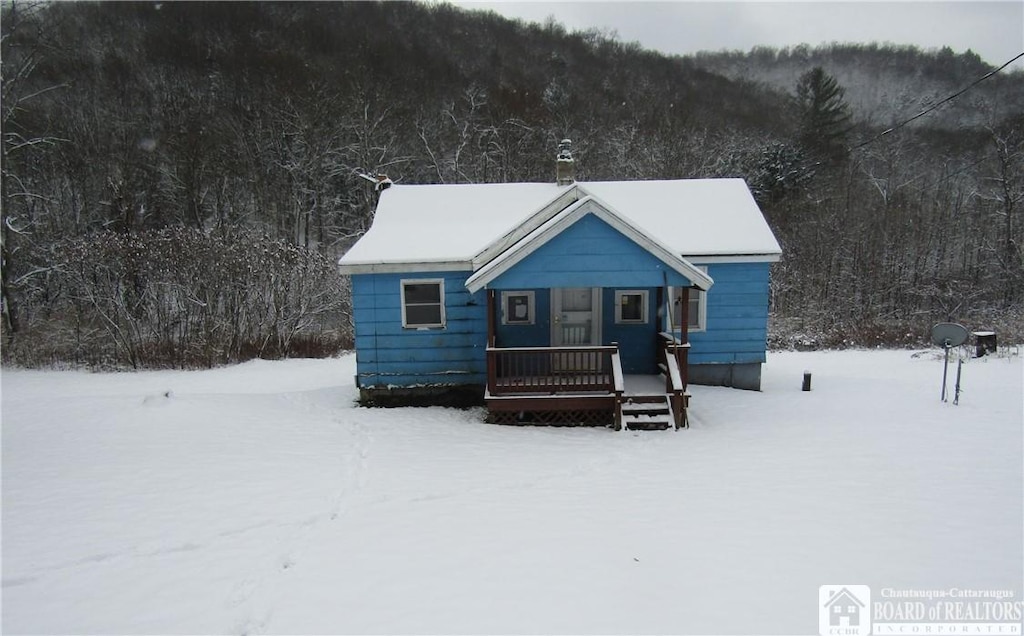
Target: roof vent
566,167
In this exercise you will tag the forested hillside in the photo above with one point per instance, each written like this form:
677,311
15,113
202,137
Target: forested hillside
178,178
885,84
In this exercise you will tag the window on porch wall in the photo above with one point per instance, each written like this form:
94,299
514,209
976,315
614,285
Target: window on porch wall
630,307
517,307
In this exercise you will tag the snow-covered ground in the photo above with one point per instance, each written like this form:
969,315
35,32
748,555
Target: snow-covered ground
259,499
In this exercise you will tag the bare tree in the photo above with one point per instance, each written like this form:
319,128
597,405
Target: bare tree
1006,192
19,58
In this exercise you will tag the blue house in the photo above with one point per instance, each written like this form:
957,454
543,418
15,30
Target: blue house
567,302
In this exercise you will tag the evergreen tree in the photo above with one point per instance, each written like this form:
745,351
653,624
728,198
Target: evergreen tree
822,115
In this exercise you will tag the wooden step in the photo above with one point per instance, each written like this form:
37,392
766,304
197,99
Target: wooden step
645,424
646,399
645,409
646,413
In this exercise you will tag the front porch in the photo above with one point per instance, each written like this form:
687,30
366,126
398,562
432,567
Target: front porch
585,386
574,304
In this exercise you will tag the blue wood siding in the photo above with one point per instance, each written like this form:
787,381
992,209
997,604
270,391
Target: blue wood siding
388,354
737,316
637,342
590,253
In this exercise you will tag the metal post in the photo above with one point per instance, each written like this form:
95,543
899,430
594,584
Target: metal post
945,370
956,394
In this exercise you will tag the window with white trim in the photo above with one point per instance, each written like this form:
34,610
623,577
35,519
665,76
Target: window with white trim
696,310
631,306
423,303
517,308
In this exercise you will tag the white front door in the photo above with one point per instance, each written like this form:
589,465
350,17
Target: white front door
575,316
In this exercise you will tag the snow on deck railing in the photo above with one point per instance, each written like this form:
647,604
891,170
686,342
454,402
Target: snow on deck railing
618,379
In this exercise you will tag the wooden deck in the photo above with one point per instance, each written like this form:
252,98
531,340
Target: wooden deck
584,386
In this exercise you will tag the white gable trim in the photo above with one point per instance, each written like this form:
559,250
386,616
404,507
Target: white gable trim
732,258
565,219
395,267
531,223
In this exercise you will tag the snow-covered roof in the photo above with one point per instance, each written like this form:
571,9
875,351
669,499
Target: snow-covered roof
694,217
451,226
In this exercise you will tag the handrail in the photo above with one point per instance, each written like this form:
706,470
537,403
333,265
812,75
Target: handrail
675,356
673,340
556,349
675,379
618,387
677,394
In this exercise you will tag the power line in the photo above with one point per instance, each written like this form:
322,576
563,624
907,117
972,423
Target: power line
935,105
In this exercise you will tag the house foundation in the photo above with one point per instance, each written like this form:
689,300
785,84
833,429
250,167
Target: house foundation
740,376
456,396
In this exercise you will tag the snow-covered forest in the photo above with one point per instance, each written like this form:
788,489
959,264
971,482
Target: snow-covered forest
178,178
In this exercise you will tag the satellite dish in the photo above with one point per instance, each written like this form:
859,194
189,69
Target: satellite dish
949,334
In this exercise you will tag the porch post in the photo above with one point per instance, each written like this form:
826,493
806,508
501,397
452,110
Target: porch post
491,335
683,352
684,314
492,369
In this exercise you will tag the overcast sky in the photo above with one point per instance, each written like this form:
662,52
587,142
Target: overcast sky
993,30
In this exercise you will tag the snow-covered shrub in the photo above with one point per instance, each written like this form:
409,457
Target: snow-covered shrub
181,297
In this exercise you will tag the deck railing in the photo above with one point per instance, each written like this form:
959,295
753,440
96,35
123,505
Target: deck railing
550,370
674,356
